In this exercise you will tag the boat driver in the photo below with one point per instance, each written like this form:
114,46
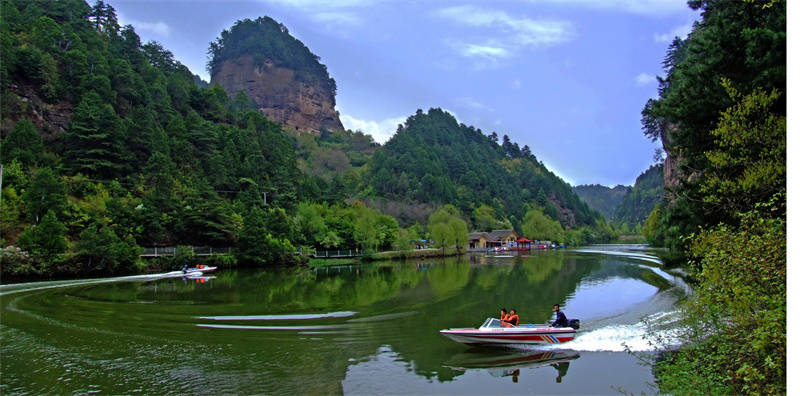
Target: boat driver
561,319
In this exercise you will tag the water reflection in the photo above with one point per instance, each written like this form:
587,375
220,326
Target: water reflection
508,363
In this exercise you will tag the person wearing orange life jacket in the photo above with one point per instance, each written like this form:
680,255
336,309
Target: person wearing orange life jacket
513,318
504,316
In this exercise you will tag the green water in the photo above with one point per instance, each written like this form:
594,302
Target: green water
354,329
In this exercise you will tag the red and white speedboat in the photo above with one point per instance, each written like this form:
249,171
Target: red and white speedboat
201,269
492,332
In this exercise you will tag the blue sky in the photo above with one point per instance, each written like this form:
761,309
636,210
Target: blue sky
566,77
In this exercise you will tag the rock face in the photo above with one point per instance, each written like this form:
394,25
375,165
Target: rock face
280,96
672,175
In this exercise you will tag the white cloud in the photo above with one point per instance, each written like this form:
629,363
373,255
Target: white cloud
316,4
158,28
524,31
381,131
643,79
472,104
336,13
337,18
642,7
514,33
482,51
680,31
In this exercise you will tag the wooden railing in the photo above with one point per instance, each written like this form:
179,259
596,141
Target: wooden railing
170,251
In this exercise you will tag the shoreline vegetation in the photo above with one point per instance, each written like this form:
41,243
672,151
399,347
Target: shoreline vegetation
721,118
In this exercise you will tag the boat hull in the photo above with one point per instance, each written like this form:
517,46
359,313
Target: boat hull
536,336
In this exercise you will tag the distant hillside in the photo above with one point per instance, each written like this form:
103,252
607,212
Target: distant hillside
640,201
434,159
601,198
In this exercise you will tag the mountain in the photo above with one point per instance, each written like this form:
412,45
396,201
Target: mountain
601,198
625,204
642,198
434,159
287,82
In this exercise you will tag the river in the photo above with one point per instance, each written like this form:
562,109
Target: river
359,329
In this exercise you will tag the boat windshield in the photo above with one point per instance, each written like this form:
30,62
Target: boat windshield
491,323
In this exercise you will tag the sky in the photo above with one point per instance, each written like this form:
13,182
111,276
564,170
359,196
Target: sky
568,78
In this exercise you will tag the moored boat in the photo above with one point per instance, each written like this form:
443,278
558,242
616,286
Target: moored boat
492,332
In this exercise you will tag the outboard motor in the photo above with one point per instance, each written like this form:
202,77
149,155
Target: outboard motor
575,323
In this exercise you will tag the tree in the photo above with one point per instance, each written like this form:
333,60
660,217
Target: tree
255,246
23,143
364,228
93,143
748,162
253,241
485,218
311,228
44,193
536,225
101,250
447,228
46,238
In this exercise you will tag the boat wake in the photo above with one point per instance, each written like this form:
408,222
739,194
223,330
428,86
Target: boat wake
634,337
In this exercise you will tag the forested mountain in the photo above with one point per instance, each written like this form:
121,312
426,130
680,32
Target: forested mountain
432,158
601,198
624,206
647,192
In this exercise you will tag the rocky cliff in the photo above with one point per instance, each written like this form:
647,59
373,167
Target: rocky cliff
280,96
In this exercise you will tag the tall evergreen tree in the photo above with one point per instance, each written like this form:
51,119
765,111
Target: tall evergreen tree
93,143
24,143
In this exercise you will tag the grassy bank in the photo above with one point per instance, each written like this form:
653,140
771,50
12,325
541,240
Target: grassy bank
320,262
631,239
387,255
413,254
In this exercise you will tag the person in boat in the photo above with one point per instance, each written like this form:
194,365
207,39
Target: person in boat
185,268
561,319
513,318
503,316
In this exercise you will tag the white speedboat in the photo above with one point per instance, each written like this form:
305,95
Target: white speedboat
492,332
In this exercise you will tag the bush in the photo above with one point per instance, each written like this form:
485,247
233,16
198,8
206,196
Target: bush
736,320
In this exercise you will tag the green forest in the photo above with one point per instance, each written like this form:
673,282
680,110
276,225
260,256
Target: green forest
432,158
721,117
111,145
